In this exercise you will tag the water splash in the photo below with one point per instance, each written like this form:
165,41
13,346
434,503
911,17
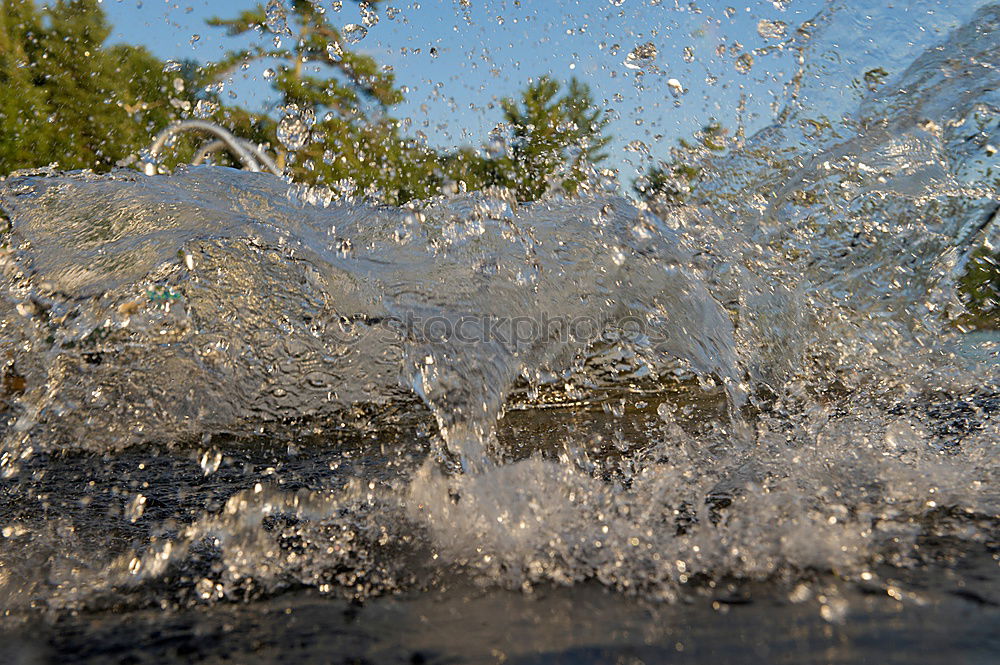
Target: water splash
280,307
291,384
642,57
354,33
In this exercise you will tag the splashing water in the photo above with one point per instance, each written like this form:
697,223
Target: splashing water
642,56
262,307
268,387
354,33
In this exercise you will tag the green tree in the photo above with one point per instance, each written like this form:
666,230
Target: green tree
334,122
22,104
980,289
69,99
675,181
551,136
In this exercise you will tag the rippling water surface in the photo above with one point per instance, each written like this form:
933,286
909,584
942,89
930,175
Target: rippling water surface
221,389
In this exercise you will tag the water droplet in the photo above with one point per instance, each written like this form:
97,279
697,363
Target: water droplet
744,63
207,589
205,108
730,12
637,146
294,128
334,52
402,234
617,3
688,54
800,594
368,14
269,73
354,33
13,531
615,408
675,87
135,508
771,29
642,56
834,610
210,461
276,17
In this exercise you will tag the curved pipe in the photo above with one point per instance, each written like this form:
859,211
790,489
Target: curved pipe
206,150
260,157
249,155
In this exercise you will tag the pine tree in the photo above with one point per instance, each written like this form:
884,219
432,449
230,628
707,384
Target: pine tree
675,182
334,122
553,136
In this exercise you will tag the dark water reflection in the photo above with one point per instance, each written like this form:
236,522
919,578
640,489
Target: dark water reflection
585,624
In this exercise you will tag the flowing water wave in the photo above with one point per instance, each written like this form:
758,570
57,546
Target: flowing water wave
213,301
808,407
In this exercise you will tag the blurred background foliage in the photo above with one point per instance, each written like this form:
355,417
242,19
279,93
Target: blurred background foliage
75,101
979,289
70,99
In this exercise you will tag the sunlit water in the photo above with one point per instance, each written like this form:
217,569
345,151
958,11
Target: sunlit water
218,386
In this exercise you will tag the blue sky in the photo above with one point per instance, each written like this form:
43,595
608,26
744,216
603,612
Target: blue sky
485,50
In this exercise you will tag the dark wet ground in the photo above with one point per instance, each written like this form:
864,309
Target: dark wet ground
947,609
942,623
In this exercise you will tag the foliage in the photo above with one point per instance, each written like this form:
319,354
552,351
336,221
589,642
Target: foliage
675,182
334,103
980,287
73,100
551,136
69,99
335,123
